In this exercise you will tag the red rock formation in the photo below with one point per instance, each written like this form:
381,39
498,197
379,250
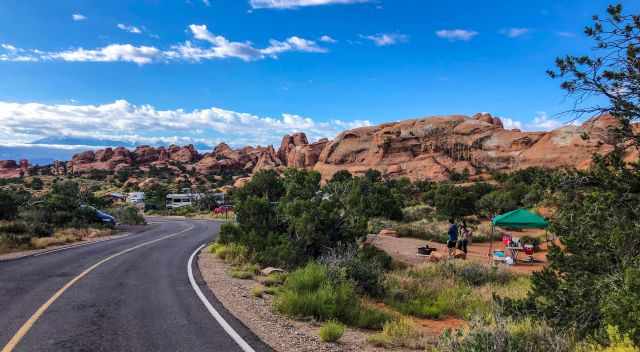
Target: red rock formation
434,147
428,148
295,151
186,154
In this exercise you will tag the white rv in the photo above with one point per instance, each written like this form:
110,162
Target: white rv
178,200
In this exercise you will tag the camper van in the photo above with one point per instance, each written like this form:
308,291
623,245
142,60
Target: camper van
179,200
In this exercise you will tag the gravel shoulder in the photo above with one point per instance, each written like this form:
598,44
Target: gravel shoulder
279,332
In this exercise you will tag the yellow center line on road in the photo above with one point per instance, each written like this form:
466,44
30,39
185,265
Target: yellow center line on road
24,329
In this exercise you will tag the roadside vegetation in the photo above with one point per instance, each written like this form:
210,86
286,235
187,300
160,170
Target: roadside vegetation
59,216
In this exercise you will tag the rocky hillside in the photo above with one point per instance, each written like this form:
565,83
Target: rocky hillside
430,148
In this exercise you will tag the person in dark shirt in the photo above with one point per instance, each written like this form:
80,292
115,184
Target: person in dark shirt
453,237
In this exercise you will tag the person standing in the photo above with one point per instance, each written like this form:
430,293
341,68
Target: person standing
453,237
466,235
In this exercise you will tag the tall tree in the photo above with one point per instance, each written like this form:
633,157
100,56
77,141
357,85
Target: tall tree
612,71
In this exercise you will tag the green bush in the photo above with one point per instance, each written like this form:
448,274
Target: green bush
331,331
398,333
309,292
127,215
8,205
505,335
234,254
473,274
417,212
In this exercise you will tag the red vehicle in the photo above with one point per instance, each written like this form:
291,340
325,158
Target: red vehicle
223,209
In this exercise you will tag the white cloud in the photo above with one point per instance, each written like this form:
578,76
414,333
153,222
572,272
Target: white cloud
386,39
130,29
206,2
510,124
542,121
456,34
327,39
78,17
292,4
514,32
111,53
220,48
9,47
121,120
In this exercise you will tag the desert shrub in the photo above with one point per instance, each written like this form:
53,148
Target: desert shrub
423,230
617,343
453,288
44,242
8,205
365,267
37,184
258,291
275,279
372,317
310,292
473,274
375,225
331,331
233,253
398,333
417,212
127,215
244,272
184,211
15,228
504,335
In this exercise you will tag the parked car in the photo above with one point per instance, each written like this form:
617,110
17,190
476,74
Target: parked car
105,218
223,209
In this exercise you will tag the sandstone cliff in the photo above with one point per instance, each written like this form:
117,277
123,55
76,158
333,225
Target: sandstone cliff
425,148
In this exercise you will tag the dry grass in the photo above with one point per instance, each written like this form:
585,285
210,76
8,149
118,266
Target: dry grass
66,236
397,334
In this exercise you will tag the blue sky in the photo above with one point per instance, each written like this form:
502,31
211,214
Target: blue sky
248,71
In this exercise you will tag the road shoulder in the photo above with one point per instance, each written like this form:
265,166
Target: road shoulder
279,332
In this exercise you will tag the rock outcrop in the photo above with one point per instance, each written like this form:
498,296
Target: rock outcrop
433,147
13,169
426,148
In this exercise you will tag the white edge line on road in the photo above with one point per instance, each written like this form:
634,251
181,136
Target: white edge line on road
234,335
24,329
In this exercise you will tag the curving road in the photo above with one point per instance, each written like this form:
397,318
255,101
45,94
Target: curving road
127,294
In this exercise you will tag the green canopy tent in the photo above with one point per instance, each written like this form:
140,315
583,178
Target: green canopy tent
520,219
517,219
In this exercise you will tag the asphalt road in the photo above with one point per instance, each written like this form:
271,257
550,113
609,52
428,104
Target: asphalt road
139,300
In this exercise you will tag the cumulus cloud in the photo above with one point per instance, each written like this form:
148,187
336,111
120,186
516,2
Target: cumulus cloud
510,124
327,39
144,124
129,28
78,17
514,32
220,48
292,4
386,39
115,52
456,34
542,121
